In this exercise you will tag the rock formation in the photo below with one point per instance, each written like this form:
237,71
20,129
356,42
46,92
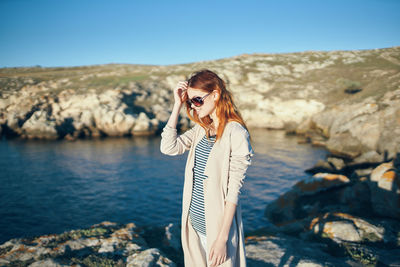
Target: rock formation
347,101
356,217
104,244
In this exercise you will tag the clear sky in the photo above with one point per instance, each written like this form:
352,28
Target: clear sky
83,32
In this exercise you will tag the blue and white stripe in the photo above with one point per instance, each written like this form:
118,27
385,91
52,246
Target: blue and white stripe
196,210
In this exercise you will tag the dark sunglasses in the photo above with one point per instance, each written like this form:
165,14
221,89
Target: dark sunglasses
197,101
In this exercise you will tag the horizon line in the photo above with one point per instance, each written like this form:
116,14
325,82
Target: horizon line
193,62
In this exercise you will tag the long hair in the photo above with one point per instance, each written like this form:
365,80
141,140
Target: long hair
226,110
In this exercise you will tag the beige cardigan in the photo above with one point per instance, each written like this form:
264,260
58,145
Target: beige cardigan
226,168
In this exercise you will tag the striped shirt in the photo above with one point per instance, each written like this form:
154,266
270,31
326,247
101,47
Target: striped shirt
196,210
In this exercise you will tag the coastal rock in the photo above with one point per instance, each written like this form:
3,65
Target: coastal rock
341,227
104,244
275,113
369,157
272,91
370,242
144,126
284,250
38,126
389,139
384,185
351,129
322,166
172,237
337,163
262,119
345,145
356,128
304,199
149,257
47,263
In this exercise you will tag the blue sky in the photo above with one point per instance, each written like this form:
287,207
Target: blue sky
161,32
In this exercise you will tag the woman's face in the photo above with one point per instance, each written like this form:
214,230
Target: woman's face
209,102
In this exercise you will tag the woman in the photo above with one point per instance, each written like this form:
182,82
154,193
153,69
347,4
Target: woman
219,154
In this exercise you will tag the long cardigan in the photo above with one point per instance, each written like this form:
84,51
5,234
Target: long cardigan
226,169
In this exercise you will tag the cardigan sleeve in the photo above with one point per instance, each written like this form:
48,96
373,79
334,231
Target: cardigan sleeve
172,144
240,159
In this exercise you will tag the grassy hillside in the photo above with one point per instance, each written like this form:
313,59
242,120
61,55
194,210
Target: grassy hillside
308,75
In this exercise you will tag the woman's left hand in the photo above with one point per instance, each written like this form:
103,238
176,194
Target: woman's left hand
217,253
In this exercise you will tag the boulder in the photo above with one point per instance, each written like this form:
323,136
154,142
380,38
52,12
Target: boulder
308,197
284,250
149,257
384,184
38,126
389,139
144,126
369,157
356,128
368,241
344,145
342,227
172,237
276,113
321,166
337,163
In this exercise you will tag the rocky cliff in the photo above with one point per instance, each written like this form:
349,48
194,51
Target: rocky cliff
345,100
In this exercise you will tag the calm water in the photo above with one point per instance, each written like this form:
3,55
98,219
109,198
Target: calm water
55,186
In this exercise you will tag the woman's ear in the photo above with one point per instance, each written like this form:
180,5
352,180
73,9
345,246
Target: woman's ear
216,95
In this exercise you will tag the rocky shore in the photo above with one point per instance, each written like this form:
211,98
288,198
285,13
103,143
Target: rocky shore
104,244
346,214
325,220
347,101
356,216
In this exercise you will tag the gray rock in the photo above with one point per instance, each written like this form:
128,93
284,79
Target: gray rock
304,199
321,166
341,227
369,157
38,126
389,140
173,237
337,163
104,244
384,185
47,263
284,250
149,258
345,145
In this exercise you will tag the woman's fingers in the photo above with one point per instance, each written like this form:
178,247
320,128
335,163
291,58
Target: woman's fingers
180,91
210,257
182,85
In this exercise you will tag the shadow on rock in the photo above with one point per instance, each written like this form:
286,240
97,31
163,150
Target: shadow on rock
357,218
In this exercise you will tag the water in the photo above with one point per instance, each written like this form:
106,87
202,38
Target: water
55,186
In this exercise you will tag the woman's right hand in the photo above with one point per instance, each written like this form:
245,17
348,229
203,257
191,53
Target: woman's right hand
180,92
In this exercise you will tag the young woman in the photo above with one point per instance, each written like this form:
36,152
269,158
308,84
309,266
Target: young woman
219,154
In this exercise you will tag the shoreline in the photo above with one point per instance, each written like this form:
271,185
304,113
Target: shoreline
342,220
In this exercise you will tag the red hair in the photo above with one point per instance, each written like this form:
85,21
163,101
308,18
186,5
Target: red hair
208,81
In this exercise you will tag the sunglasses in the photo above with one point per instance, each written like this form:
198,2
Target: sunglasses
197,101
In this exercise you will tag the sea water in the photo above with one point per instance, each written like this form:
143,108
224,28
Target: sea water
55,186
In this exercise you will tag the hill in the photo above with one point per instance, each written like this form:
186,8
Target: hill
327,96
